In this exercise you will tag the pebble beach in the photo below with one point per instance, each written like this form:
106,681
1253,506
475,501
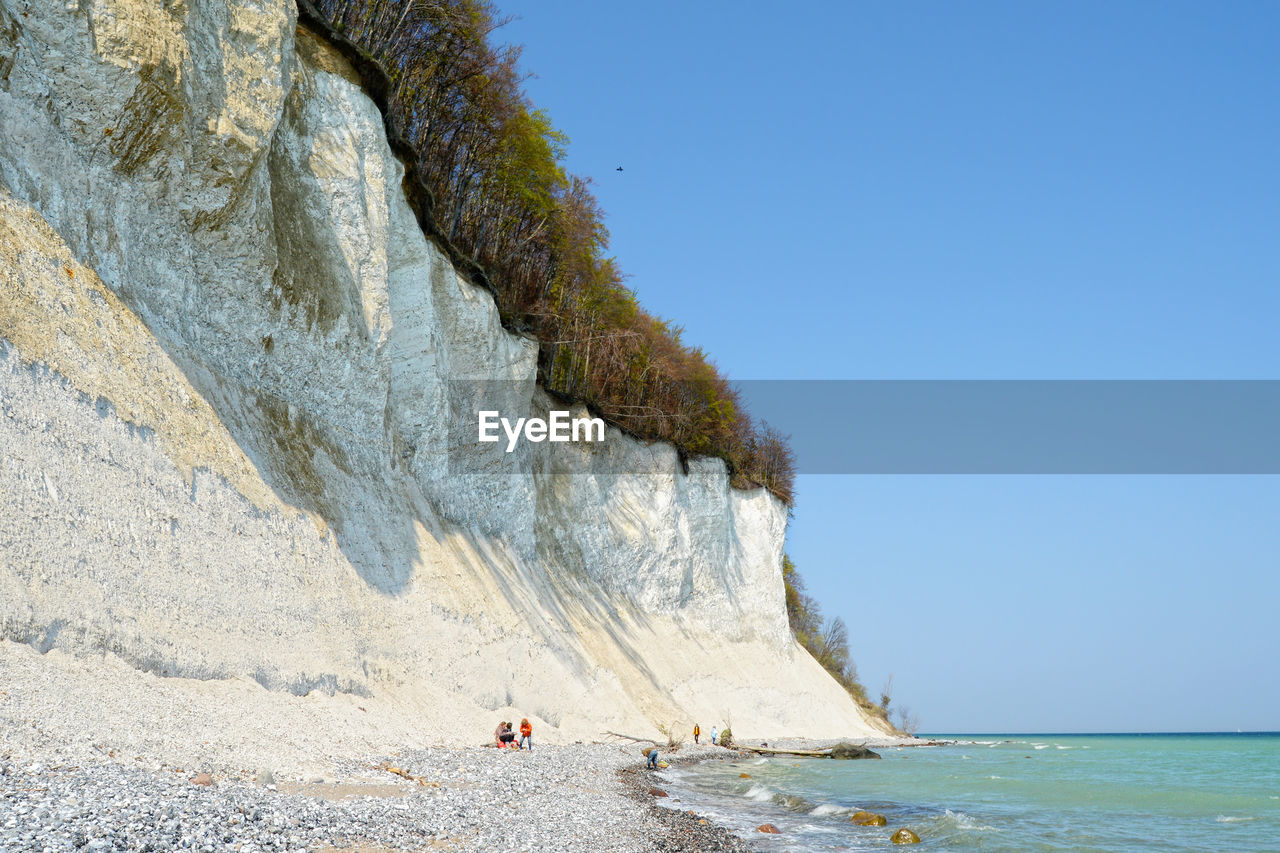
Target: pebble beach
575,797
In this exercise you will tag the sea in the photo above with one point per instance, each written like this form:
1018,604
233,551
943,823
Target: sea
1105,792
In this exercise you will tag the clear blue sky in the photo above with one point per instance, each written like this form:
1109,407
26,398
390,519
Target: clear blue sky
909,190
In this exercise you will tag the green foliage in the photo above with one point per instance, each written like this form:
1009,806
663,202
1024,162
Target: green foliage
726,737
886,695
500,196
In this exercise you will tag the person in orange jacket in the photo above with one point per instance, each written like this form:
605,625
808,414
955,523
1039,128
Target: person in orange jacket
526,733
697,730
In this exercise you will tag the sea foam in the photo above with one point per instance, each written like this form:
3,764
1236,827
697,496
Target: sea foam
827,809
964,822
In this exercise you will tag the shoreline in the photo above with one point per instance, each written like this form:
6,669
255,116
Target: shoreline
577,797
711,835
689,830
676,829
94,750
1204,791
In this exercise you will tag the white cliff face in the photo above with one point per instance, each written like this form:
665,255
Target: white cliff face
230,404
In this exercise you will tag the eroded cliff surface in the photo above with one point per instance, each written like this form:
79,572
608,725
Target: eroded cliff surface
232,373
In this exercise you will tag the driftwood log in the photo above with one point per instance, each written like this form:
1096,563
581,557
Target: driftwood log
840,750
632,738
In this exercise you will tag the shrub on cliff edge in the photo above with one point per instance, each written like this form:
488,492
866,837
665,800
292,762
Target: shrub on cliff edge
827,641
500,198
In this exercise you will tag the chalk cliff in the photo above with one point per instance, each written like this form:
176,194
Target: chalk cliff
233,376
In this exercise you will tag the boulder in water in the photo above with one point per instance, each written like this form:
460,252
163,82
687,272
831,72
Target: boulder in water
869,819
768,828
852,750
905,836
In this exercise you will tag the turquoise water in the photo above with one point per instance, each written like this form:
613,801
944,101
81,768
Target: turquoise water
1009,792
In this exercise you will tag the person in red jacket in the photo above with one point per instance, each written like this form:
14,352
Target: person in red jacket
526,733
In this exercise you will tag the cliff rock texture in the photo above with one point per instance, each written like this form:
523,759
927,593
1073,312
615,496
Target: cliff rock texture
232,374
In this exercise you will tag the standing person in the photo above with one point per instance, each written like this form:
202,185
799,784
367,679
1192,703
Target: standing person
697,730
714,734
526,733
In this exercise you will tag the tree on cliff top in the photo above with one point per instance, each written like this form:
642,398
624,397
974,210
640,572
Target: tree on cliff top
500,196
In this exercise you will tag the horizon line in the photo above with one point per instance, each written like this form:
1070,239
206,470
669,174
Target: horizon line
1060,734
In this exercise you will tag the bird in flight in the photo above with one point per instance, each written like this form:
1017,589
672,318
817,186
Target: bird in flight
619,168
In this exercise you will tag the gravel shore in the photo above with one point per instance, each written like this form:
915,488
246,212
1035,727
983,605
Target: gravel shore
95,756
580,798
674,829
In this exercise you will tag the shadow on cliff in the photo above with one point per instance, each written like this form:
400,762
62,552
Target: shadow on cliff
560,606
377,515
311,466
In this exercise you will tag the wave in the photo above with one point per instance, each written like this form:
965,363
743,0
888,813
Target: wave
790,802
794,803
964,822
826,809
1233,818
